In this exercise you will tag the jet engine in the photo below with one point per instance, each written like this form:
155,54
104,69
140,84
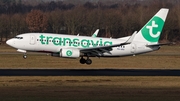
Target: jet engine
67,53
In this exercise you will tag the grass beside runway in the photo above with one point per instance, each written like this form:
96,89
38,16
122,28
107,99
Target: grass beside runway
15,61
90,88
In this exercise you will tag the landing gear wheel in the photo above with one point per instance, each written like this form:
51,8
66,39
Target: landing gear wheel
88,61
82,61
24,56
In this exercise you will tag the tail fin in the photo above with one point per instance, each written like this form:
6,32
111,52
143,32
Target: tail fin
150,33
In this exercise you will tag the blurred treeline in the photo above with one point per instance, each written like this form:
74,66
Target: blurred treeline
114,19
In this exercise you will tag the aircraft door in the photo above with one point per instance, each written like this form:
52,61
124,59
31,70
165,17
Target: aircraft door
32,39
133,48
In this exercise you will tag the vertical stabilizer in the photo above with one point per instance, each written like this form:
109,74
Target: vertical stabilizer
151,32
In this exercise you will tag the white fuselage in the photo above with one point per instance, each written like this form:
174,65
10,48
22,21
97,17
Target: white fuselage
52,43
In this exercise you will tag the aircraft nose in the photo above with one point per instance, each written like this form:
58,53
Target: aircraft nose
9,42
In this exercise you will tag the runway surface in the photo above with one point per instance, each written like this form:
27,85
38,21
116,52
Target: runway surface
89,72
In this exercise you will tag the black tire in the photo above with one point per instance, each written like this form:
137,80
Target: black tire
24,56
82,61
88,61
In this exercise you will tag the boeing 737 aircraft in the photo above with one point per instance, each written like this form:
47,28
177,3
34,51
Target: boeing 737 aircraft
72,46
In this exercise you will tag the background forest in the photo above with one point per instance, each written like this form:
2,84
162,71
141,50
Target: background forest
114,18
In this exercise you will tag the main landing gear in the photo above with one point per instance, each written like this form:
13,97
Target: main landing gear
87,61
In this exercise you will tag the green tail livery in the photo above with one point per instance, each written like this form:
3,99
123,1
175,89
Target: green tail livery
151,32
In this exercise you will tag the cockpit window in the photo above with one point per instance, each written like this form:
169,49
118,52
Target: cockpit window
19,37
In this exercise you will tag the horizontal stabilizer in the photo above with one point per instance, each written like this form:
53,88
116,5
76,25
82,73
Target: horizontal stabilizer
160,44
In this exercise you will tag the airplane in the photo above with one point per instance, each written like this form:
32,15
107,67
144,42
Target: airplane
72,46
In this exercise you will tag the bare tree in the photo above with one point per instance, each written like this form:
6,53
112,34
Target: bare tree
56,21
36,21
18,24
74,19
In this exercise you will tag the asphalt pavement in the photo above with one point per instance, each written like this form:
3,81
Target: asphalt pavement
89,72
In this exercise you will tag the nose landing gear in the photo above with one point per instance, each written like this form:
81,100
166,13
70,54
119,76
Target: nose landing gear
24,56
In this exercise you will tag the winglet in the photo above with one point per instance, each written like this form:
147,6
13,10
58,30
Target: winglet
95,33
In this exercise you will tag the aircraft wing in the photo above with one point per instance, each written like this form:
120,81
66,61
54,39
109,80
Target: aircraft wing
99,50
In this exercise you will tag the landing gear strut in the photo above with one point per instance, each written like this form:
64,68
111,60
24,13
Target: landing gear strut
87,61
